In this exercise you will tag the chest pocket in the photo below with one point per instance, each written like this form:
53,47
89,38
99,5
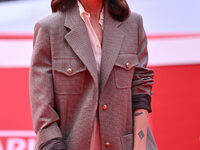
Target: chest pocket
69,75
124,69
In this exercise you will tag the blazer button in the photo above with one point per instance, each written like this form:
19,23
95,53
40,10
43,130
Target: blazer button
107,144
105,107
69,70
127,65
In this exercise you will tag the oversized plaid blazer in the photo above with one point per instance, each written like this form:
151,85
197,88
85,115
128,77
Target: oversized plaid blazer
64,85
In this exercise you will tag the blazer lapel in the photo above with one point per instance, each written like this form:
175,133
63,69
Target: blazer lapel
79,41
112,40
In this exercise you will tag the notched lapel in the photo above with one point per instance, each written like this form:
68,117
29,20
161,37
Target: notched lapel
112,41
79,41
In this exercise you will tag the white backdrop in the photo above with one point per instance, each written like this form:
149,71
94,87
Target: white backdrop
160,16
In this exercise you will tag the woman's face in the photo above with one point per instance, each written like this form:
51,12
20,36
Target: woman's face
93,3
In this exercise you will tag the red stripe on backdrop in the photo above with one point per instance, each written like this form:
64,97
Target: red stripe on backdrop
175,104
14,99
173,35
22,36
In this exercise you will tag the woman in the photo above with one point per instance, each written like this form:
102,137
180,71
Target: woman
89,85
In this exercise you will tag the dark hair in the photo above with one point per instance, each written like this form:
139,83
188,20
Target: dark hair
118,9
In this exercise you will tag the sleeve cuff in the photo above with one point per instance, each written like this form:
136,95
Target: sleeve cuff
53,144
141,101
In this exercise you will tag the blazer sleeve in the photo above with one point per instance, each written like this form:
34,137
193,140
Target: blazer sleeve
143,76
53,144
45,118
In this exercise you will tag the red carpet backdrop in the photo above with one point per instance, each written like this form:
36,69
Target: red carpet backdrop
174,53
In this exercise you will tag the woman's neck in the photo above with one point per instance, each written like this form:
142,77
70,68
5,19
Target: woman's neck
92,6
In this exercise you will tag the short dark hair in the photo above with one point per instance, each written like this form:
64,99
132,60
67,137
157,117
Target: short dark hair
118,9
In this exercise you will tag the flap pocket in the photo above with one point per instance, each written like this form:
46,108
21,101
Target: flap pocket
127,141
69,67
124,69
127,60
69,75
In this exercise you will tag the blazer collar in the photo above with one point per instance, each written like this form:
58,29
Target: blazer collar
78,39
73,19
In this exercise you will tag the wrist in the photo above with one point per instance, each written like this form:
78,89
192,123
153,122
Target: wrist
141,148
